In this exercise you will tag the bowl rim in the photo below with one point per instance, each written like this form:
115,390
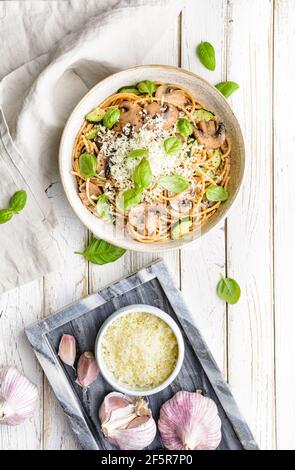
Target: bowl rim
152,247
134,308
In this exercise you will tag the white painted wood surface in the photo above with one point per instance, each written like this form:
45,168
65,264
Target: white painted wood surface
253,340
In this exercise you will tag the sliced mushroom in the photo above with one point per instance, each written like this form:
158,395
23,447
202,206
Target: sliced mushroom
84,199
183,203
94,190
144,218
170,115
131,113
152,109
101,163
171,95
211,134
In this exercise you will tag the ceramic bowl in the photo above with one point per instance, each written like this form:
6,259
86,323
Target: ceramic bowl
203,91
109,377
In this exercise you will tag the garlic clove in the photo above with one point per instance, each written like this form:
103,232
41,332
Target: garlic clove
87,369
18,397
113,401
190,421
126,421
136,422
135,438
67,349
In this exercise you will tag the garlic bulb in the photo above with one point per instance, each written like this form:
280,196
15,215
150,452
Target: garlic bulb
67,349
127,422
87,369
18,397
190,421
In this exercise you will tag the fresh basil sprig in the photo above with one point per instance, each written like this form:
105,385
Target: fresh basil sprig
16,204
130,197
142,178
174,183
138,153
101,252
216,193
228,290
146,86
129,89
88,165
184,127
206,54
227,88
142,175
18,201
111,117
172,145
5,215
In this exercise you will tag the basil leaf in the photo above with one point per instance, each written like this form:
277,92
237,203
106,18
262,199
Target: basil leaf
172,145
129,89
174,183
184,127
5,215
18,201
206,54
88,164
103,207
130,197
227,88
96,115
138,153
216,193
229,290
146,87
111,117
142,175
101,252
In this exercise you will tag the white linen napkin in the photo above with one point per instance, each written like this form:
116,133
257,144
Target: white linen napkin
38,96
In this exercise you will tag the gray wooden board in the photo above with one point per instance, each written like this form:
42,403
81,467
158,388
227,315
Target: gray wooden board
152,285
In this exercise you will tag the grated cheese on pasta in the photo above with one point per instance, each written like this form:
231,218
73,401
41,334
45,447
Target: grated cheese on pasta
116,148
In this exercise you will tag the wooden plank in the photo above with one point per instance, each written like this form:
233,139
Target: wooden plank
284,225
103,275
204,262
249,228
19,308
60,289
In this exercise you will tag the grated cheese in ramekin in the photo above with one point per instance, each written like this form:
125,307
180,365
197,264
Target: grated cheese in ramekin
140,350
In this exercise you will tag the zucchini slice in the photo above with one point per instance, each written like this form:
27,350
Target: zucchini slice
92,133
216,164
181,227
129,89
96,115
202,115
217,159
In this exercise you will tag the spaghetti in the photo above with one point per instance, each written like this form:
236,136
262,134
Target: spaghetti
144,122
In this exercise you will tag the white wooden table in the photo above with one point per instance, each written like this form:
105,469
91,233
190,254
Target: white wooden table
253,341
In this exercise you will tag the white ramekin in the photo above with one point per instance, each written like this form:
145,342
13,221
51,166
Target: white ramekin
124,311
